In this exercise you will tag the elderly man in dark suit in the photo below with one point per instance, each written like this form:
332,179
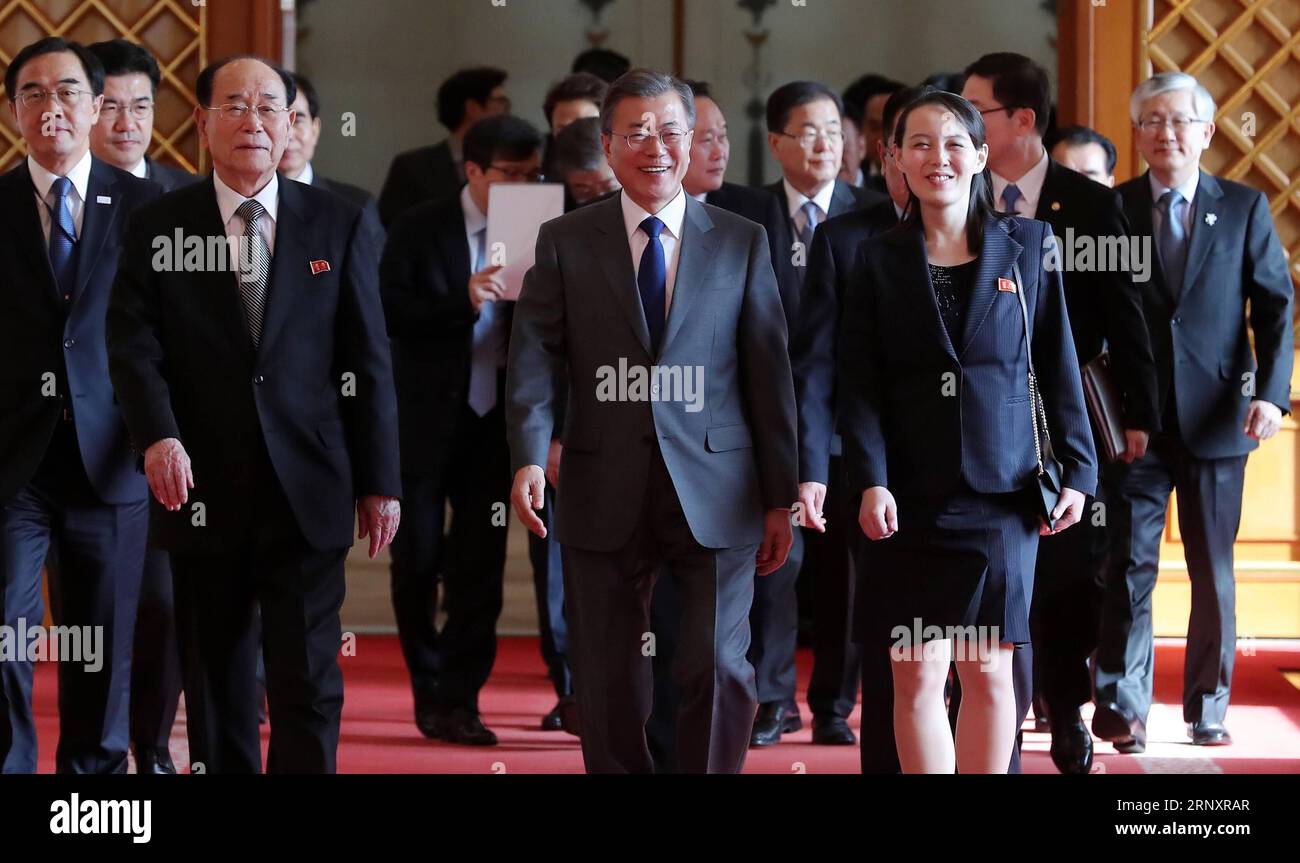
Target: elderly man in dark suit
70,496
260,392
1218,265
666,314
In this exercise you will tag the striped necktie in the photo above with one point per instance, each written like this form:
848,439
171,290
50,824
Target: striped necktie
255,269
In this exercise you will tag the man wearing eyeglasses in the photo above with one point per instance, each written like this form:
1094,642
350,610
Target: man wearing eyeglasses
121,138
260,391
1219,265
125,128
70,494
656,484
805,136
450,329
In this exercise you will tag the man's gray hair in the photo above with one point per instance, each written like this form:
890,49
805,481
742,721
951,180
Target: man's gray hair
1168,82
645,84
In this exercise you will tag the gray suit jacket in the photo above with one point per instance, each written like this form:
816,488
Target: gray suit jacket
732,454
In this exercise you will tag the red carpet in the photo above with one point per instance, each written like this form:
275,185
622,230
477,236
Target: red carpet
379,734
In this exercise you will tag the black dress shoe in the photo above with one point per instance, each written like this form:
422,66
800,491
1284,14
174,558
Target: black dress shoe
1209,734
151,760
1135,745
1071,743
570,716
1041,722
832,731
428,719
553,721
774,719
1114,723
466,728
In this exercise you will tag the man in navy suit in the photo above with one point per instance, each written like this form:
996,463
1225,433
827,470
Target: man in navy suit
837,661
260,392
806,137
1219,265
121,138
70,494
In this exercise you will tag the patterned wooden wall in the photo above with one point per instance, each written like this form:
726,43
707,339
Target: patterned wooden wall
1247,54
173,30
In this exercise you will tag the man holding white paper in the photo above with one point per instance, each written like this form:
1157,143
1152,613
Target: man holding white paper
449,324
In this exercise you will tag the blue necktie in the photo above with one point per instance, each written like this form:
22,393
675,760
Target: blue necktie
652,282
1173,242
486,349
811,214
1010,195
63,239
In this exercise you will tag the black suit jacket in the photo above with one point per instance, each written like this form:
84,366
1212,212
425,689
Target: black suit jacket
921,412
786,259
1202,352
355,194
1105,306
316,395
812,345
168,177
424,174
41,334
424,278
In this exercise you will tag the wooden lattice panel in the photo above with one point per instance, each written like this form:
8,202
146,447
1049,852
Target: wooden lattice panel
1247,54
172,30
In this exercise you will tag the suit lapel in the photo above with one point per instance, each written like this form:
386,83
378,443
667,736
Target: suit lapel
454,247
908,258
1049,201
694,261
610,246
215,288
290,275
20,210
1207,197
842,200
97,220
999,253
1138,205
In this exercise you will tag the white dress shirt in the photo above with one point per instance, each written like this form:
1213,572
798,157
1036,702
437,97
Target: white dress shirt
228,202
1187,190
1030,186
672,215
141,169
306,176
43,180
794,201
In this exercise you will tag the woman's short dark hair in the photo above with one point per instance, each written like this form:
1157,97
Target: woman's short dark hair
54,45
645,84
1018,82
120,57
207,78
502,136
787,97
578,86
981,185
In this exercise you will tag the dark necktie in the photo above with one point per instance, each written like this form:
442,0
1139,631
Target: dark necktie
63,239
255,275
811,213
652,281
1010,195
1173,242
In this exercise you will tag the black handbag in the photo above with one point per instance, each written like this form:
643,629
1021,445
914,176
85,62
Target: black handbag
1049,469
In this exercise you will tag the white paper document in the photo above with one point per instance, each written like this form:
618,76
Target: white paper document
516,212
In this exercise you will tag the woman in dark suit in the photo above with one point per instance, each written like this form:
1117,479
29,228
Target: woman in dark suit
939,436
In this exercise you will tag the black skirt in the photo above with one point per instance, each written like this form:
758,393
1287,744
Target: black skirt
966,560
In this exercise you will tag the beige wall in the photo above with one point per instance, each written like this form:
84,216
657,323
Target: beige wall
384,59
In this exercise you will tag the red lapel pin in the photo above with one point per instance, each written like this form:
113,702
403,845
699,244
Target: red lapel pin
318,267
1007,285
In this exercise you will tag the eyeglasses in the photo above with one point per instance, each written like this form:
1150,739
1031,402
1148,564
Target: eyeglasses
1155,124
1007,108
68,97
140,110
809,139
515,175
672,139
235,112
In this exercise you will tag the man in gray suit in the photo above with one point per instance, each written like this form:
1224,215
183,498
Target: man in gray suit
679,436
